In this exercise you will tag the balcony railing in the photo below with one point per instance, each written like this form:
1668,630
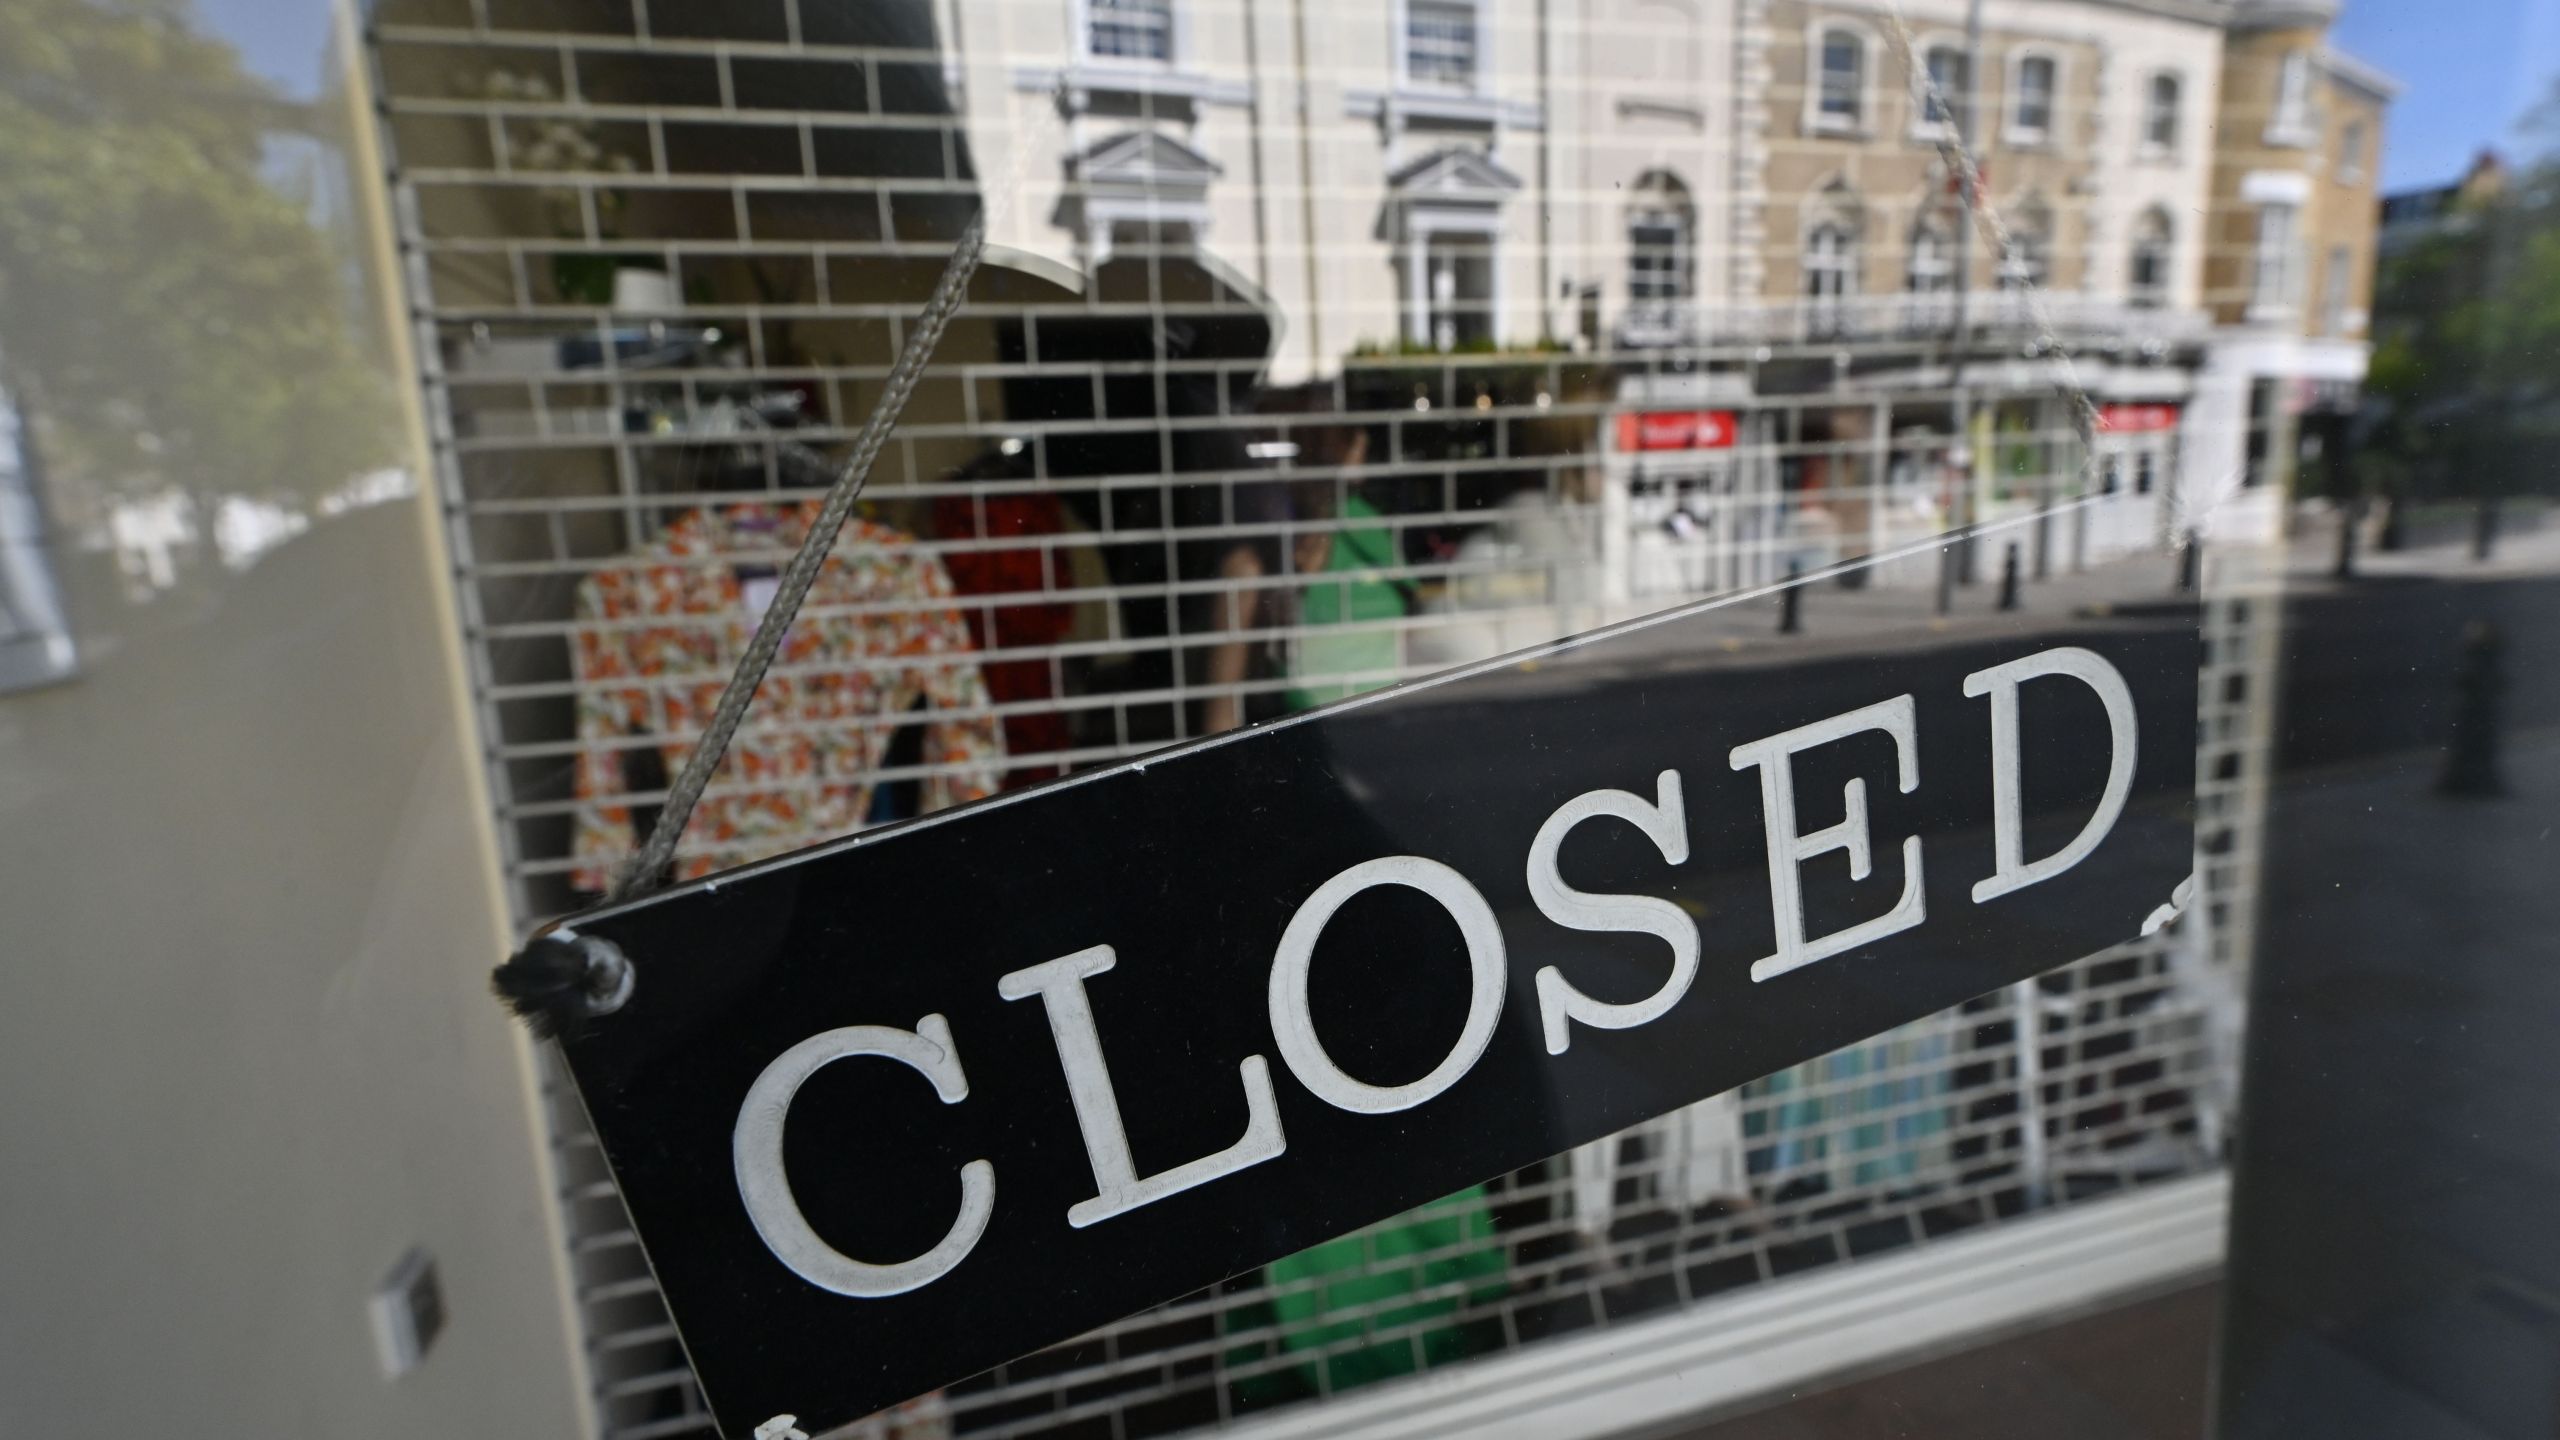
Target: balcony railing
1990,316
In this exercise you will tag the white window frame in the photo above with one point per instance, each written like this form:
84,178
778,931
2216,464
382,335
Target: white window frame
1176,42
2275,277
2014,130
2029,264
1842,263
2289,117
1942,255
2353,140
1684,254
1400,15
2338,269
2154,296
1818,121
1929,291
2148,145
1422,322
1925,130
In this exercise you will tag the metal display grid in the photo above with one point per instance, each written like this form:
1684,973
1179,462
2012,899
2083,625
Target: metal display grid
793,240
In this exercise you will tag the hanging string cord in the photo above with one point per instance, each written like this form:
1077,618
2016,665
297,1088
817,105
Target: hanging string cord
1957,155
641,873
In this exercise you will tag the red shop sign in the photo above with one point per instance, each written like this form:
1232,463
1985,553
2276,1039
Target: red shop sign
2137,419
1676,430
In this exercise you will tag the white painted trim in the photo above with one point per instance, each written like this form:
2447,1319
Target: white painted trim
2348,70
1763,1343
1920,130
2144,147
2355,140
1399,44
2162,295
2275,187
2016,136
1177,40
1870,47
2290,121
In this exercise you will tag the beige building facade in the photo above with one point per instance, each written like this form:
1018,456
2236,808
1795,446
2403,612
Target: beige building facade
2294,226
1428,174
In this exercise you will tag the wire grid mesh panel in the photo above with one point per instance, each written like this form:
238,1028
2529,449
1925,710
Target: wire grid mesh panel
660,259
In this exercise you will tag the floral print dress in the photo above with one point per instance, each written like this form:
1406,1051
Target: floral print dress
658,634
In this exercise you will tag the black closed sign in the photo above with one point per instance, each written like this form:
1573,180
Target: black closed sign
892,1111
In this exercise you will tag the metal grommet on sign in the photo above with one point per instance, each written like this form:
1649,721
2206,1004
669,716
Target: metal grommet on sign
561,979
608,972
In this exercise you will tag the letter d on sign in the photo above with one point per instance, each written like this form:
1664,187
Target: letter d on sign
2008,838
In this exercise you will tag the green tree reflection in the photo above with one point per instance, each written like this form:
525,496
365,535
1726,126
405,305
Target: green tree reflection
170,317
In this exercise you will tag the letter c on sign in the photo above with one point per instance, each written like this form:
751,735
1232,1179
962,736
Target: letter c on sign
1294,1026
757,1153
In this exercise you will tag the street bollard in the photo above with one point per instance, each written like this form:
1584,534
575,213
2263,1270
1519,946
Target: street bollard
2479,678
2009,578
1790,603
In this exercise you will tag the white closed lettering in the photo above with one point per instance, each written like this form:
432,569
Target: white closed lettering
1666,824
756,1153
1060,985
2010,870
1788,850
1488,974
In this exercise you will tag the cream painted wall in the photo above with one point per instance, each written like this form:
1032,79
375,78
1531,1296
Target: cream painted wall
2138,177
250,1057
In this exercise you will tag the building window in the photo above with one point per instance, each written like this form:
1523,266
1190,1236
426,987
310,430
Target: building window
2333,290
1830,277
1933,264
1130,30
2032,89
1661,263
2160,113
2028,265
2351,152
1840,85
2148,284
1931,276
2290,123
1950,89
2279,236
1440,43
1457,292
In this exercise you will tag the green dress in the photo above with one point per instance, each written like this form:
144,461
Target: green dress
1327,1297
1348,627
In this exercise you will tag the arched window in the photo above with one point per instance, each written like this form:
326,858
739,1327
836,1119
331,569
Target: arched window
1833,224
1662,262
2033,86
1830,265
2028,265
1931,275
2147,284
2160,113
1933,259
1840,80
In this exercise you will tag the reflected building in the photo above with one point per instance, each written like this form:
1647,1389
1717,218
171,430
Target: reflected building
1323,345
